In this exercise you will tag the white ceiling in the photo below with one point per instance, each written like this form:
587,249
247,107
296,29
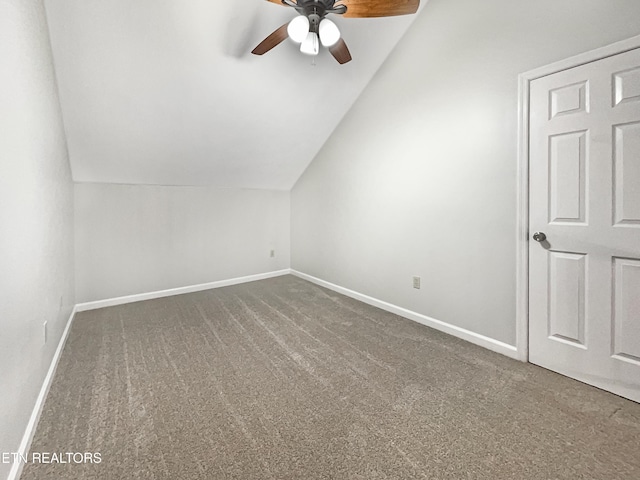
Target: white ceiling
167,92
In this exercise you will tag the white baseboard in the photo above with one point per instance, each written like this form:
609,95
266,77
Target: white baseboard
468,335
25,444
110,302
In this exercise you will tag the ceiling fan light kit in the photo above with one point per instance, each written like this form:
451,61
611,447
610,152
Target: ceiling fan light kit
310,27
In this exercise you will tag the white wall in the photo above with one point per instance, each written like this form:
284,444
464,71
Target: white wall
420,176
36,216
134,239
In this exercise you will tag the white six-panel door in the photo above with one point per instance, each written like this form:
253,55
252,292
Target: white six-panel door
584,279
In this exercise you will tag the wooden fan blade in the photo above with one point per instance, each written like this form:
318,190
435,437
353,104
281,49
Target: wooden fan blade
378,8
272,40
340,52
279,2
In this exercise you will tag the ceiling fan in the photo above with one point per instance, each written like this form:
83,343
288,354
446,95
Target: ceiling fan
311,28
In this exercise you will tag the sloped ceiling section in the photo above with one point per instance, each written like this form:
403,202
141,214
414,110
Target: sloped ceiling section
166,92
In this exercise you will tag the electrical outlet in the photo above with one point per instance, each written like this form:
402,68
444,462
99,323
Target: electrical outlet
416,282
45,332
273,253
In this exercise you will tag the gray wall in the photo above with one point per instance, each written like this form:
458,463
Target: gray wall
134,239
420,176
36,216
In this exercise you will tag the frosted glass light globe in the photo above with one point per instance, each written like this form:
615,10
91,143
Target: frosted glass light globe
311,45
329,33
298,28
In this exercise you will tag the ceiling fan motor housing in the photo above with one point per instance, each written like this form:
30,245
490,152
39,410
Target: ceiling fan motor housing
316,7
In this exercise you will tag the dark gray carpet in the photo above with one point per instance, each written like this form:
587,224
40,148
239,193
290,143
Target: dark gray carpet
281,379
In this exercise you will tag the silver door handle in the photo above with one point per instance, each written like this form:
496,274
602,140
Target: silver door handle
539,237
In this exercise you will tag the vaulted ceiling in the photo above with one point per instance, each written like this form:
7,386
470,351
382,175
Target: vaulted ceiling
166,92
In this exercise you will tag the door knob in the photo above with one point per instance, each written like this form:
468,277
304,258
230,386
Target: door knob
539,237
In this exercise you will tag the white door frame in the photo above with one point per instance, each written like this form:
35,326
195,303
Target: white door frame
522,222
